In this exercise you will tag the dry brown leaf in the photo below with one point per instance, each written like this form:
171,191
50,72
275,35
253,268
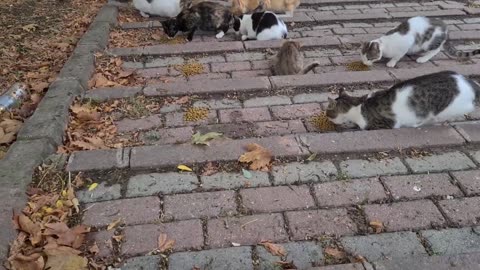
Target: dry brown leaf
33,229
258,156
67,237
39,87
182,100
10,125
114,224
33,262
377,226
335,253
61,259
209,169
99,80
124,74
165,244
97,142
94,249
118,238
274,249
7,138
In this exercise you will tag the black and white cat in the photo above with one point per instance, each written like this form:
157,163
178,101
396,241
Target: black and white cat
264,25
417,36
427,99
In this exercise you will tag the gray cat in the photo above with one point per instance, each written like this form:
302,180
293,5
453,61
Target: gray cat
289,60
417,35
427,99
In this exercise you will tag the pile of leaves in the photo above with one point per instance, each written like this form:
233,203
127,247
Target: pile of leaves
9,126
109,73
322,123
142,37
357,66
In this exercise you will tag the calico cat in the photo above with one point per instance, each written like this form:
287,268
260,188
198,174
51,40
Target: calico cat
423,100
240,7
417,35
163,8
206,16
289,60
261,25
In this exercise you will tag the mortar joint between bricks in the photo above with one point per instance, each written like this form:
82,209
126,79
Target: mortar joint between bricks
449,222
405,163
454,182
386,189
470,156
426,245
241,209
358,216
311,188
287,226
255,257
204,222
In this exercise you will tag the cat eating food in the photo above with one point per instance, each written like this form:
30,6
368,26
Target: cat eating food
427,99
417,36
289,60
240,7
162,8
206,16
261,25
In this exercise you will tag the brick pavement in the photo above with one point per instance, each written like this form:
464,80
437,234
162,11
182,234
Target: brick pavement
428,204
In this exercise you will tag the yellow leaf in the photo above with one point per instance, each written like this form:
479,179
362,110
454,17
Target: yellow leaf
92,186
114,224
59,204
184,168
64,260
76,204
64,193
274,249
164,243
48,210
258,157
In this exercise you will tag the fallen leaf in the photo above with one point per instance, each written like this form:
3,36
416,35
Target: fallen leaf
76,203
33,262
30,27
164,243
94,249
99,80
274,249
39,87
10,125
124,74
182,100
198,138
312,157
114,224
235,244
118,238
7,138
258,156
59,259
377,226
33,229
67,237
184,168
97,142
335,253
92,186
246,174
209,169
286,265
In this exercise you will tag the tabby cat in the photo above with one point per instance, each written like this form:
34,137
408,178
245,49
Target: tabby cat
289,60
417,36
423,100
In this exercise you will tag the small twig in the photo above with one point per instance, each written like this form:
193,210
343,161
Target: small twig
251,221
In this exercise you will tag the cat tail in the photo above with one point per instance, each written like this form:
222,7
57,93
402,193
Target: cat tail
451,51
309,67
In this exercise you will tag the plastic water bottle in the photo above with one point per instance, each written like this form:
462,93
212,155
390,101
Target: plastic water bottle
13,97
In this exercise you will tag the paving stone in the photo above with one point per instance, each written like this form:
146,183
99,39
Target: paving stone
470,131
128,125
165,62
200,205
469,181
296,111
130,211
149,262
156,72
232,130
317,33
235,258
246,230
304,173
433,13
251,73
409,73
303,254
194,47
79,66
234,180
102,94
421,186
249,56
273,128
367,168
141,239
230,66
440,162
305,42
384,246
452,241
103,239
457,262
310,224
211,59
349,266
348,17
276,199
312,97
267,101
413,215
352,192
164,183
101,193
98,160
462,211
261,64
211,76
133,65
13,199
476,156
218,104
167,135
247,115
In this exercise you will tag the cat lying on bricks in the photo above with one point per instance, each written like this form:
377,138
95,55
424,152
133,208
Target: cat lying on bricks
417,36
423,100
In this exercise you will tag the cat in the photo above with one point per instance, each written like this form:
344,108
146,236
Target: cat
163,8
417,35
422,100
261,25
206,16
289,60
240,7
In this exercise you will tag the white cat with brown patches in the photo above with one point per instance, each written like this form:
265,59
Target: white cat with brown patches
421,36
289,60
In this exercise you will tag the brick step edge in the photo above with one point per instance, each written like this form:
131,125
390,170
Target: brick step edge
158,156
247,85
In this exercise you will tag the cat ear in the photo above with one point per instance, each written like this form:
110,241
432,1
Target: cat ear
375,46
341,93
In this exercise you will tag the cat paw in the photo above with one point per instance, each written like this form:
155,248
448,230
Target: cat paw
145,15
422,60
220,35
391,64
244,37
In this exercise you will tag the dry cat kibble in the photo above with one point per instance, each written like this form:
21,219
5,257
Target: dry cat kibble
190,69
195,114
321,122
357,66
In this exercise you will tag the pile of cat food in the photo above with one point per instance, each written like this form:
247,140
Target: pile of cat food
321,122
190,68
357,66
195,114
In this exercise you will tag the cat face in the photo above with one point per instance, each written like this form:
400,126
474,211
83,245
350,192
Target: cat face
371,52
337,110
170,27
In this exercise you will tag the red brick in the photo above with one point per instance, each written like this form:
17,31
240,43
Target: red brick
296,111
279,128
142,239
193,47
420,186
247,230
175,119
103,239
310,224
400,9
168,135
470,131
250,73
102,94
402,216
298,17
357,38
276,199
230,66
306,42
208,86
472,11
349,31
153,72
317,33
130,211
261,64
382,140
244,115
464,35
378,30
312,80
463,212
433,13
404,74
346,11
98,160
149,122
469,181
352,192
348,17
210,76
200,205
